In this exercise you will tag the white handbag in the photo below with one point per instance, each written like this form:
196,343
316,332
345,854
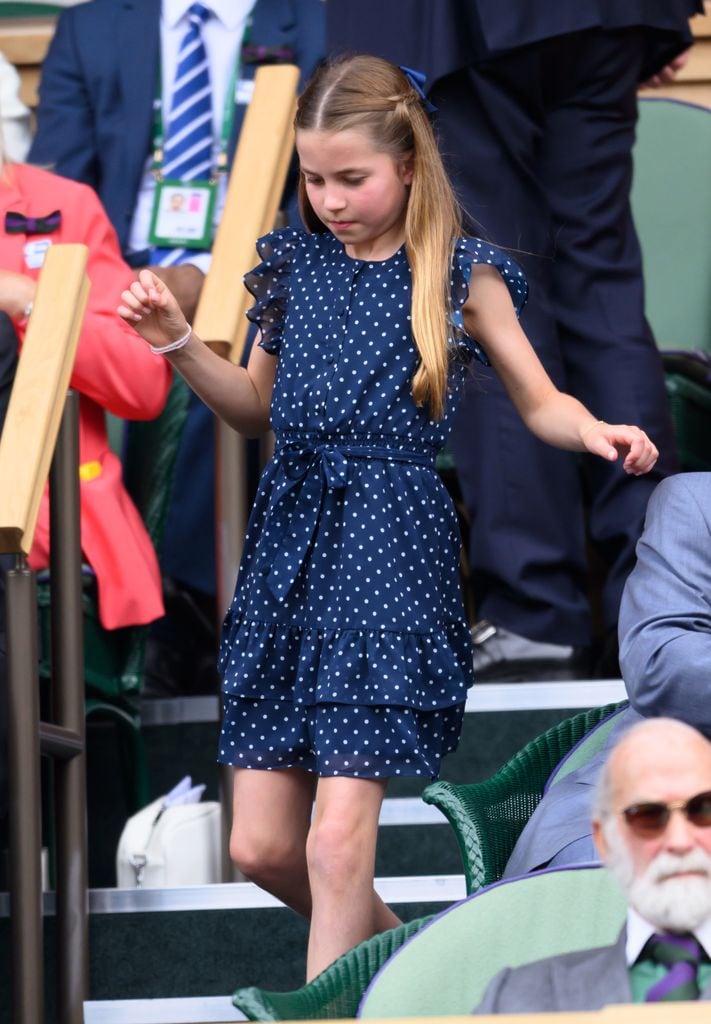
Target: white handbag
167,847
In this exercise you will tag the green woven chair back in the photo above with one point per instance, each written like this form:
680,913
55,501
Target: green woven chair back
28,10
445,968
149,459
586,748
336,992
489,816
671,202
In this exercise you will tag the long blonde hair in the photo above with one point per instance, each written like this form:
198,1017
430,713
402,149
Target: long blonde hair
373,96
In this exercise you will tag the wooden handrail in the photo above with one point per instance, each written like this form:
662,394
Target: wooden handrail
37,398
253,195
31,440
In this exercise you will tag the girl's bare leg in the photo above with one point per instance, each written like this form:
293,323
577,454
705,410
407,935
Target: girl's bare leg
270,823
341,865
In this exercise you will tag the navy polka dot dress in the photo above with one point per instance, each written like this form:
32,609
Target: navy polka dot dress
345,650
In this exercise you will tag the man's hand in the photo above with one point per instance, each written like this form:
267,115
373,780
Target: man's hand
185,283
668,73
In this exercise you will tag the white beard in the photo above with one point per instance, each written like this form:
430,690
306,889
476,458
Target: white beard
661,894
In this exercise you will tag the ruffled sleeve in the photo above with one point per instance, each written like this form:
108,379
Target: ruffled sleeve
268,282
468,252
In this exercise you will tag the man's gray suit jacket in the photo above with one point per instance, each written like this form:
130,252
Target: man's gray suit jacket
586,980
665,656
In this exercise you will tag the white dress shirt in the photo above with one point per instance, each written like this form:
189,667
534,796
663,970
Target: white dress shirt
222,34
639,930
14,115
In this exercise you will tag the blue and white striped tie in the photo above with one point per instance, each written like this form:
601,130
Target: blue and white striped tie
187,155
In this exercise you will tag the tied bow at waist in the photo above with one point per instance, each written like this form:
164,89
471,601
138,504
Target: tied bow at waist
306,473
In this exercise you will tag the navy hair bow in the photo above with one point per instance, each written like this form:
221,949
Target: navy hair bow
18,224
417,80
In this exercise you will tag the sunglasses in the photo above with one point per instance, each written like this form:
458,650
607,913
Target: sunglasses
651,819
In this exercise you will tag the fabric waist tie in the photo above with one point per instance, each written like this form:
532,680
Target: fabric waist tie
307,472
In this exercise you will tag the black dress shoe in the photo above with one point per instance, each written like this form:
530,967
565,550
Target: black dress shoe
503,656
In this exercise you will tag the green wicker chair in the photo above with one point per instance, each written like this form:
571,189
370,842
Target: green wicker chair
114,659
488,816
336,992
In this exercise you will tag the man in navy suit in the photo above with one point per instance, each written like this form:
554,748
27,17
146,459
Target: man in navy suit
107,65
536,115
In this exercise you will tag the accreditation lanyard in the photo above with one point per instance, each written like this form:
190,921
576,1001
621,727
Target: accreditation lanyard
183,211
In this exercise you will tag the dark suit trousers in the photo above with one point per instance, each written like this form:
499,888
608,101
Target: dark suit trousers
538,142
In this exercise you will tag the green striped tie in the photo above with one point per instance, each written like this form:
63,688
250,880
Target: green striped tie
681,955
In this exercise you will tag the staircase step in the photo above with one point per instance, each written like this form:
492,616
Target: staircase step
181,738
205,941
215,1010
482,697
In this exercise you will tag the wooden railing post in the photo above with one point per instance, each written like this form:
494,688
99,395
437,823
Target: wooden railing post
37,408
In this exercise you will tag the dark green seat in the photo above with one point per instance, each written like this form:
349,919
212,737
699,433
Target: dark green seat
114,659
336,992
671,202
29,10
488,816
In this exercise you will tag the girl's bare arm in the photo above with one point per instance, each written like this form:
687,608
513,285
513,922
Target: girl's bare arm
238,395
555,417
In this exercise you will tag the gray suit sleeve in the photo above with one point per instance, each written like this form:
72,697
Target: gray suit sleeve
665,615
490,1000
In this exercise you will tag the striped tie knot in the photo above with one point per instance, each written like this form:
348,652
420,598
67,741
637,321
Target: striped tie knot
198,14
681,955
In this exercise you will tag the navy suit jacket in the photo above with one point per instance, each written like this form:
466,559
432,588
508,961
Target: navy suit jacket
440,36
94,121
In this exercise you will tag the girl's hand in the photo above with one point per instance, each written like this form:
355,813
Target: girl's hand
611,440
150,307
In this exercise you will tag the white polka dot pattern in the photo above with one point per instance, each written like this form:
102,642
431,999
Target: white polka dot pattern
345,649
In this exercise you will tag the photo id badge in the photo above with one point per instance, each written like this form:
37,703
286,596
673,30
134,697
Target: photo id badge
182,214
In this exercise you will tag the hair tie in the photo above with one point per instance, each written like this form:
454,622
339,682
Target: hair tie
417,80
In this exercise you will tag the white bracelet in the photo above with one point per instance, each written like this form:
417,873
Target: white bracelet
174,345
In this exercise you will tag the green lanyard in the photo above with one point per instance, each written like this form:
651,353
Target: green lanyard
228,119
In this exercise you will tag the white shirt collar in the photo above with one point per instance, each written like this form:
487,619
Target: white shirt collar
639,930
229,13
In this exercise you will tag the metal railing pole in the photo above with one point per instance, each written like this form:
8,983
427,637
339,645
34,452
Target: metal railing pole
231,513
68,713
25,797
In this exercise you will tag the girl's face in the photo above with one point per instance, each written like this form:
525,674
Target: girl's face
359,193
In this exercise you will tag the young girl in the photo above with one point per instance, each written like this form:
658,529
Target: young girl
346,654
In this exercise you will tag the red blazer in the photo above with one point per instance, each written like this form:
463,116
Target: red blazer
114,371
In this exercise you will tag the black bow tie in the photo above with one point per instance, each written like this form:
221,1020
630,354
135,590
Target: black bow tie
18,224
254,54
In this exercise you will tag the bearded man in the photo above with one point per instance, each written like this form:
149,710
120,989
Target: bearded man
652,828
